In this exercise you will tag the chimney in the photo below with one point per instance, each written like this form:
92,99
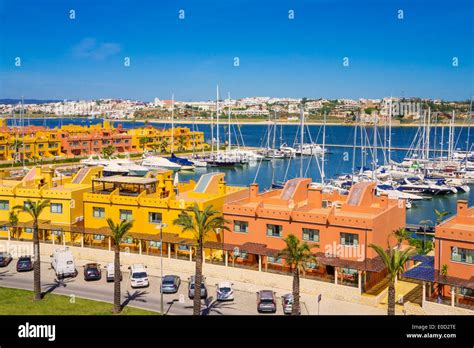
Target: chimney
384,200
462,207
253,190
221,187
315,197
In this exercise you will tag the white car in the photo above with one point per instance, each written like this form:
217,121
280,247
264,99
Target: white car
138,276
224,291
110,271
63,263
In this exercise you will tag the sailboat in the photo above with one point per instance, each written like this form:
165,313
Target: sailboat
220,159
184,163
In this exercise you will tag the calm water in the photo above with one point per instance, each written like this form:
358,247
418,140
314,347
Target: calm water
338,161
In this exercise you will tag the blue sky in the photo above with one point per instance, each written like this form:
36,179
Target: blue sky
84,58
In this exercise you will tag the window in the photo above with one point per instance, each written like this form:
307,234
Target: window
127,240
98,237
272,259
154,244
125,214
154,218
183,247
56,208
349,239
4,228
274,230
98,212
40,146
310,235
4,205
241,226
27,204
311,265
462,255
57,232
28,230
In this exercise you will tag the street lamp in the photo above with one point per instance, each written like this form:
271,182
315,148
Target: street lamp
160,226
218,231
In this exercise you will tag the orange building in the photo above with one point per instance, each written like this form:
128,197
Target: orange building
84,141
454,258
338,228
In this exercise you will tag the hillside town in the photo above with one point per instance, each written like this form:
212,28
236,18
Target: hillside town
402,110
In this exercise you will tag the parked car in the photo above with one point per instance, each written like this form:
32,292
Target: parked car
266,301
170,284
110,271
287,303
24,264
5,259
138,276
63,263
191,287
92,271
224,291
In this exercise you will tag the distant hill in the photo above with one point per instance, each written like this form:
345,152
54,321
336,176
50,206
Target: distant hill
28,101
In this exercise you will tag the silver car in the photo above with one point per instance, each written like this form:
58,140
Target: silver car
170,284
191,287
266,301
287,303
224,291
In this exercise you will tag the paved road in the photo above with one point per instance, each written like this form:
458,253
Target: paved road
146,298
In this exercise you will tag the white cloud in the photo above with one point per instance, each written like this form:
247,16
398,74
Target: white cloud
90,48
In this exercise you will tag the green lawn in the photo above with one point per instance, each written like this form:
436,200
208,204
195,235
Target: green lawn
20,302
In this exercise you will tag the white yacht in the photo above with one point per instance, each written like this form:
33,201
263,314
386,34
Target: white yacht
309,150
155,162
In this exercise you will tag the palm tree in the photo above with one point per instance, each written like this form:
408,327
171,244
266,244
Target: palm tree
108,151
181,142
163,145
34,209
394,260
401,234
440,215
13,221
119,231
144,141
16,144
200,223
297,254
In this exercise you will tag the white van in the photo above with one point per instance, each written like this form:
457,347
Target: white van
63,263
110,270
138,276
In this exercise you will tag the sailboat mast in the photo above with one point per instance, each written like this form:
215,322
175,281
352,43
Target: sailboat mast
22,116
194,130
390,133
301,138
354,149
217,119
274,129
442,142
229,124
374,152
323,157
172,123
468,132
428,129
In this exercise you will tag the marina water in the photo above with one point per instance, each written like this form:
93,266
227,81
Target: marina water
338,160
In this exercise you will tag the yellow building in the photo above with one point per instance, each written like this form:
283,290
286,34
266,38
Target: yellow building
65,212
151,203
80,205
29,142
150,138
